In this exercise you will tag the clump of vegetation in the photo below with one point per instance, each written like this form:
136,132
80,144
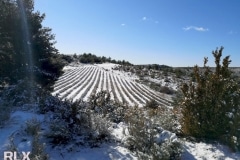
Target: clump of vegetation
147,138
18,96
166,90
179,73
38,150
167,118
66,121
72,119
21,93
152,104
33,127
98,130
31,132
5,113
210,107
101,103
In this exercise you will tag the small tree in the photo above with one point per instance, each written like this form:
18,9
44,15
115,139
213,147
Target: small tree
210,107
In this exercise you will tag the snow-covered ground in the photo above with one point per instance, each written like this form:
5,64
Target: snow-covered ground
169,82
14,128
203,151
115,151
80,81
112,68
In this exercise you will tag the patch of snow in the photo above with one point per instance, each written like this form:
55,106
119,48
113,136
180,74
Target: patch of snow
164,136
199,151
107,66
110,67
106,151
118,130
14,124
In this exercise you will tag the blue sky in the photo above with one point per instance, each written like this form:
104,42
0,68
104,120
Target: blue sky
172,32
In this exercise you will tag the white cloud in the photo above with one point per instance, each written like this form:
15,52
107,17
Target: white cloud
200,29
149,19
144,18
232,32
123,24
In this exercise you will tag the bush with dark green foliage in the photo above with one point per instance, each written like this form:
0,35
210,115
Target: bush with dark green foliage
179,73
5,108
152,104
210,107
21,94
166,90
68,119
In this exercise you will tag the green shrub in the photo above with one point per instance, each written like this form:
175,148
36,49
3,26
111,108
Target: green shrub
152,104
167,118
30,133
67,120
101,103
148,139
38,150
5,113
32,126
99,130
166,90
179,73
73,119
210,107
22,93
59,132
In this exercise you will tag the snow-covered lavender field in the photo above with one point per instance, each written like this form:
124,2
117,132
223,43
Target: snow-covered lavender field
79,82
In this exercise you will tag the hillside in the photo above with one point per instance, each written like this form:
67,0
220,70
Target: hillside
80,81
57,106
67,128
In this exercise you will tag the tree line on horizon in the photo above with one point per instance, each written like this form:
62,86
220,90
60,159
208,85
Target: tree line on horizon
92,58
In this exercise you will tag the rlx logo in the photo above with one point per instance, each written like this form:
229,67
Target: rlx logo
8,155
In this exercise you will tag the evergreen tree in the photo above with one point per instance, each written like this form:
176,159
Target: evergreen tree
15,39
8,24
210,107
